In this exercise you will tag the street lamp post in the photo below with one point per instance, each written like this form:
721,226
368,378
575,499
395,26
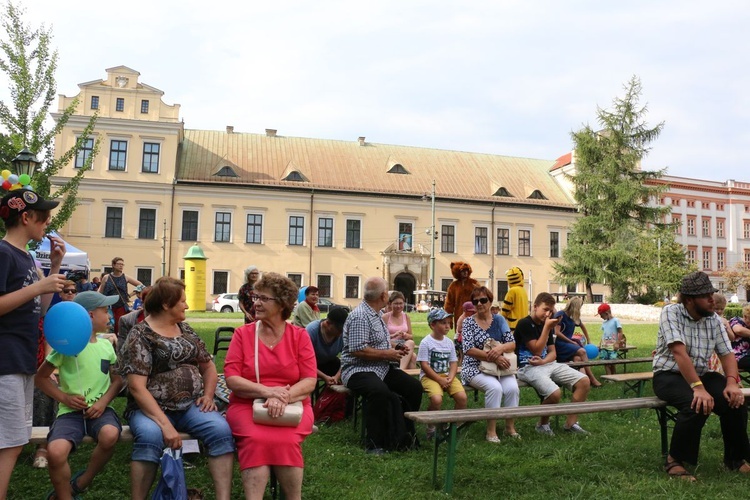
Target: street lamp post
433,236
25,163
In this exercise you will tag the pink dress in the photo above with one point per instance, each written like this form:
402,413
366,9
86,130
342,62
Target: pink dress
286,364
394,328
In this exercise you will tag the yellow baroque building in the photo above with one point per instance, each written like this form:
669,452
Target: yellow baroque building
325,212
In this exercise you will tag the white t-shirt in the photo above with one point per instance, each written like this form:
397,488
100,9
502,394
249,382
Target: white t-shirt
439,353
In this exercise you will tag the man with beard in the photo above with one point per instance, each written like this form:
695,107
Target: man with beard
689,333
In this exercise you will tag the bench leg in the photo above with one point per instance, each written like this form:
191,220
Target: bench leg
661,414
452,432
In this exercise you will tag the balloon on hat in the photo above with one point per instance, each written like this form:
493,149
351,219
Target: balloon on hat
591,351
67,328
5,173
15,186
13,179
24,179
6,185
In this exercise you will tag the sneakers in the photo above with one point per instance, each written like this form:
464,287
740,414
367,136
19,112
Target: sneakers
576,429
546,429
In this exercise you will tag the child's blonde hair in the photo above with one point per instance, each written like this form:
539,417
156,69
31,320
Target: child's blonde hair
720,301
573,309
746,310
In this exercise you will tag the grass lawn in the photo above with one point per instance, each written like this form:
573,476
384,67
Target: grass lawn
621,459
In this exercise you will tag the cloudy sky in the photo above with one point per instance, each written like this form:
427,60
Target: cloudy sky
501,77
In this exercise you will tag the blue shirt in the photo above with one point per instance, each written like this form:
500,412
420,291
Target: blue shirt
323,352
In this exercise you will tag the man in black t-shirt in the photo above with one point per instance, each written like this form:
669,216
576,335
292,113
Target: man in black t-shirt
538,366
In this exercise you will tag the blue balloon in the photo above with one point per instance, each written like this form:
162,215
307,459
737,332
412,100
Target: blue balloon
591,351
301,294
67,328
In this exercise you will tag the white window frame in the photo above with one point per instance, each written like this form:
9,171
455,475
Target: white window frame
333,230
198,222
518,241
302,278
213,280
559,243
487,238
262,227
149,140
305,228
155,208
148,268
122,222
359,286
317,282
510,240
230,211
454,225
413,222
347,218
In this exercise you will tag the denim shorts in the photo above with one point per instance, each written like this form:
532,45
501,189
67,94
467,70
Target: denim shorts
209,427
74,427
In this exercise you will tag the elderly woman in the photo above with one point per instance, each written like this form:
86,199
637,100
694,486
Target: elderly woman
172,381
246,292
399,328
286,364
307,311
477,329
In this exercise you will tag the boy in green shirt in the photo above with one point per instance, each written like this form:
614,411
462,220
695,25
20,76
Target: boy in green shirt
88,384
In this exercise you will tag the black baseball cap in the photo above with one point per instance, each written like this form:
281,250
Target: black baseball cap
19,201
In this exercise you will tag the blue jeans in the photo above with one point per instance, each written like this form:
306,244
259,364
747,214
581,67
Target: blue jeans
209,427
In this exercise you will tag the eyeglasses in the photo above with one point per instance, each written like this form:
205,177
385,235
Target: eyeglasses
69,291
480,300
262,298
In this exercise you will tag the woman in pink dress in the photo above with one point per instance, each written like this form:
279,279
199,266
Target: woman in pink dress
399,326
286,362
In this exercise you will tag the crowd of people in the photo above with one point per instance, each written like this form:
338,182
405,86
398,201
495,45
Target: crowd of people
276,359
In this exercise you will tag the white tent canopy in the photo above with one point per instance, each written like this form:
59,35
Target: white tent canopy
74,260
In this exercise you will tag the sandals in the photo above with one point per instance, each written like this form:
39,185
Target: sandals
40,462
683,474
492,439
74,483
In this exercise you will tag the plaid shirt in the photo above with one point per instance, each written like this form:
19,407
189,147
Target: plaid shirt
701,339
364,328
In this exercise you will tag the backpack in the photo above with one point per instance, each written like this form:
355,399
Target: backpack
330,406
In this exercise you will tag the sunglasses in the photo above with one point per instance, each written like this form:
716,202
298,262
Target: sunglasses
262,298
481,300
68,291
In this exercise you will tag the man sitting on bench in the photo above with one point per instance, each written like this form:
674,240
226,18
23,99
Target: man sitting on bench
535,346
689,332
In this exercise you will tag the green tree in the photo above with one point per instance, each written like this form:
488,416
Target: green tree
29,62
612,194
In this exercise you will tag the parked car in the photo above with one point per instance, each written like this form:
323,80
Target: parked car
226,303
326,305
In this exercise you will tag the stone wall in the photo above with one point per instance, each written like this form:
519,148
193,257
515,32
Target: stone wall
637,312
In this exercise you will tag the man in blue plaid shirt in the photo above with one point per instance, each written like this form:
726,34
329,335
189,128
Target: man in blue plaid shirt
369,367
689,333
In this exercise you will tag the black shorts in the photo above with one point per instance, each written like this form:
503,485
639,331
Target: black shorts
74,427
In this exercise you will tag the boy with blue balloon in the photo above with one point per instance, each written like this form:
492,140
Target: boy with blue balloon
88,384
23,299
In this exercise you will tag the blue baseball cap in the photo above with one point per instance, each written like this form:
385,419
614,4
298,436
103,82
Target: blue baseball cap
437,315
94,300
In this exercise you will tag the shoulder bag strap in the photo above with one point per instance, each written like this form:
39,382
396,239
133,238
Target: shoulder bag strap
257,370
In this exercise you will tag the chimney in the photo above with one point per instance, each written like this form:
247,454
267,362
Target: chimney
230,129
361,141
270,132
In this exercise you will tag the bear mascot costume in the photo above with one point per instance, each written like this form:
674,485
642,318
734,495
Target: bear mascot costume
516,302
460,290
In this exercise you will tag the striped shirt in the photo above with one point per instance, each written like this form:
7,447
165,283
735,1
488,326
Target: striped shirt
701,339
364,328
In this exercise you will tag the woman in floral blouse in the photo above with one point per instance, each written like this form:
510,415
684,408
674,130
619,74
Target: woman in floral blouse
172,380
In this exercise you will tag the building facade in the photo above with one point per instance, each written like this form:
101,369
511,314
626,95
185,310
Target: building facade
323,212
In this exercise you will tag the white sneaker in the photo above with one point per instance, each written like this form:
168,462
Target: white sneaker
576,429
545,429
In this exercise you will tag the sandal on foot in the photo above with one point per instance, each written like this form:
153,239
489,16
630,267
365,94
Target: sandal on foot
493,439
40,462
513,435
74,483
683,474
743,469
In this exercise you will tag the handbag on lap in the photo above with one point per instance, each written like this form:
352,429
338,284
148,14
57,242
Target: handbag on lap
490,368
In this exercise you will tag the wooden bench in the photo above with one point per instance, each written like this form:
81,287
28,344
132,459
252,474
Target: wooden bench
633,382
458,419
609,362
622,352
39,435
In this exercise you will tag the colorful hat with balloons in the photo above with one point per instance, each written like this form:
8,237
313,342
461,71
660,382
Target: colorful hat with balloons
19,201
12,182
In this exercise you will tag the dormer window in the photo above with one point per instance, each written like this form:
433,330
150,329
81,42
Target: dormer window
295,176
226,171
398,169
503,192
537,195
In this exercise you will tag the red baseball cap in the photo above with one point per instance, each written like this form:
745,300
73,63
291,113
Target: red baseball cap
602,309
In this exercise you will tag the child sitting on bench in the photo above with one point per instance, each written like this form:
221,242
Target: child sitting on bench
439,364
88,384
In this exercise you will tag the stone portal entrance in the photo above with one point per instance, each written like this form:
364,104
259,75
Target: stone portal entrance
406,270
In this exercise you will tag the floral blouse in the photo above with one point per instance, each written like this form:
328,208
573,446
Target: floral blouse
741,346
475,336
171,365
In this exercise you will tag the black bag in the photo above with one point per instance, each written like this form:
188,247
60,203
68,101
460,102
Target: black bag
400,433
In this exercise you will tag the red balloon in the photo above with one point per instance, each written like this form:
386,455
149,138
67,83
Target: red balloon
7,185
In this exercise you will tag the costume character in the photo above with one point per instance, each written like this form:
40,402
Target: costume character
460,290
516,302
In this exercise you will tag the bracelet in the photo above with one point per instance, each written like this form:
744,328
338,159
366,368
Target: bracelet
736,378
695,384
